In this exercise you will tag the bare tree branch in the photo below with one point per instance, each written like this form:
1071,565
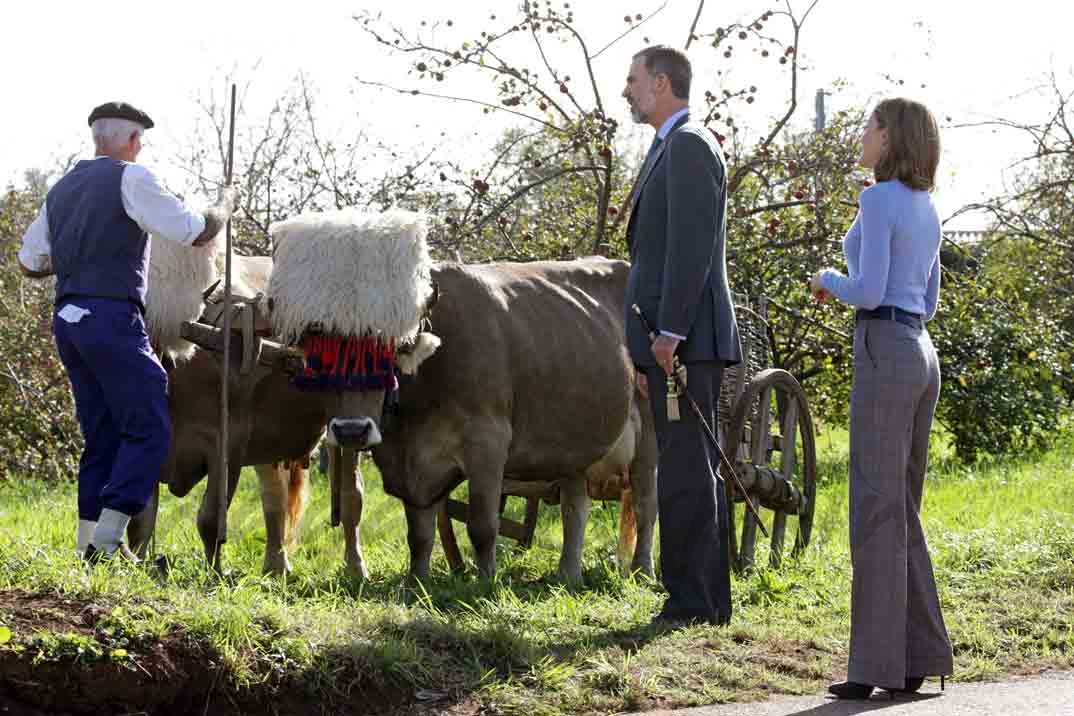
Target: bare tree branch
527,188
633,28
693,26
468,100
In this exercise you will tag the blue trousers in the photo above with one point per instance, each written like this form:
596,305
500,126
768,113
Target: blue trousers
121,399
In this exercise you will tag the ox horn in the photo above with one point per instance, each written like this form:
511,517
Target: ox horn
209,291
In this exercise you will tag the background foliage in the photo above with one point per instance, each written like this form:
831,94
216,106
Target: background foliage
555,186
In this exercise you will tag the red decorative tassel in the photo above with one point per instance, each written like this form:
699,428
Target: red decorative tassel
338,363
333,343
346,359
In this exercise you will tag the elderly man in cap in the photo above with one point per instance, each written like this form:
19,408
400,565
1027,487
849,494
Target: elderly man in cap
92,233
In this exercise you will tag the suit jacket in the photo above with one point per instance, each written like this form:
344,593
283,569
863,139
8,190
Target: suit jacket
677,234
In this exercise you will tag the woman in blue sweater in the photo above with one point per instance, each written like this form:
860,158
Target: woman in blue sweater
897,632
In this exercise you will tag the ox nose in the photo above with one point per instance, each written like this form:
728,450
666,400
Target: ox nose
355,433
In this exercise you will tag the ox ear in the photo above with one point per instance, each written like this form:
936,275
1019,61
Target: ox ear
411,355
430,302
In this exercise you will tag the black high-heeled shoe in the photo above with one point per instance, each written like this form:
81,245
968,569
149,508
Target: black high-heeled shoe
851,690
911,684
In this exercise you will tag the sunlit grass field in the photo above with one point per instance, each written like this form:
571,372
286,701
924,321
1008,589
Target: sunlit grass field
1001,535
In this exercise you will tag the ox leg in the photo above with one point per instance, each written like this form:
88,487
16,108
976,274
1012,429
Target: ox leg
484,470
643,489
574,504
209,512
351,494
143,524
420,536
274,480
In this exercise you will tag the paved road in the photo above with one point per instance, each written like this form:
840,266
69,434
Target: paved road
1046,695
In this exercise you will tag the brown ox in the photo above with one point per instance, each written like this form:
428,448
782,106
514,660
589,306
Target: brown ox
271,427
543,377
531,380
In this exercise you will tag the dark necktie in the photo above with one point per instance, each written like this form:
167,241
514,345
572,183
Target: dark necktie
649,157
637,187
645,165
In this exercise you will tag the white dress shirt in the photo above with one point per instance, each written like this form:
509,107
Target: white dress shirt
665,128
155,209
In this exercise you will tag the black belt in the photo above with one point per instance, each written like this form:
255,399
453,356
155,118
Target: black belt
890,313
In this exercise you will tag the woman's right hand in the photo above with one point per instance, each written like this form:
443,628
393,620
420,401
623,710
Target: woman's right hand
820,294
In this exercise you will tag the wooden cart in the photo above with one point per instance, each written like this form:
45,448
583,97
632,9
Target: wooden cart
767,432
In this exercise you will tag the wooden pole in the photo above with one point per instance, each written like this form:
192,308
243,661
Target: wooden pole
222,488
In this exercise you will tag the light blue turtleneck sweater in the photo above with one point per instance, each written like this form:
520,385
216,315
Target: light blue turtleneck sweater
892,251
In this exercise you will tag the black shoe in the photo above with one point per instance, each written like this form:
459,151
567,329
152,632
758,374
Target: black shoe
851,690
93,556
911,684
666,620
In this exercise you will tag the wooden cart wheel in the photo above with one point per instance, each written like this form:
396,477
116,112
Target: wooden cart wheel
453,509
778,469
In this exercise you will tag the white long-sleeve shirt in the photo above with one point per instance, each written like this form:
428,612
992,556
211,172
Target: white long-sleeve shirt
155,209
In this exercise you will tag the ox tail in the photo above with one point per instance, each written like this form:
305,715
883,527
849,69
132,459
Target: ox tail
297,496
628,529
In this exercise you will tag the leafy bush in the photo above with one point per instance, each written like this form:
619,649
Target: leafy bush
38,433
1004,361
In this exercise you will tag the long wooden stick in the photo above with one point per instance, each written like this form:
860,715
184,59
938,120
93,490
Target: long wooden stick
222,488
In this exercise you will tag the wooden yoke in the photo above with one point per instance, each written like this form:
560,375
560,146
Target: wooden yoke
269,353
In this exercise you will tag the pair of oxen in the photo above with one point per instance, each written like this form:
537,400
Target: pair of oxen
513,371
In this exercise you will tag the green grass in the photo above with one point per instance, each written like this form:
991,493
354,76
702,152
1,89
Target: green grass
1001,535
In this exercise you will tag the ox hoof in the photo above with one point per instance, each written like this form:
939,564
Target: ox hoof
413,578
228,577
277,567
414,585
644,572
415,589
358,572
570,578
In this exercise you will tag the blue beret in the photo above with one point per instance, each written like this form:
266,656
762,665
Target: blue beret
120,110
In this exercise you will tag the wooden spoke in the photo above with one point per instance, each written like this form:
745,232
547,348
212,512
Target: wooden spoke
776,463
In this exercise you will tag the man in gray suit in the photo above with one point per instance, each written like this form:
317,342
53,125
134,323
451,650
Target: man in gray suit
676,234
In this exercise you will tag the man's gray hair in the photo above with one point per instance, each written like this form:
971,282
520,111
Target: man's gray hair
661,59
108,130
